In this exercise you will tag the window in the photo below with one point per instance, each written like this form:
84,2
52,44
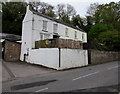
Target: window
83,38
46,36
41,37
66,32
75,34
45,25
55,28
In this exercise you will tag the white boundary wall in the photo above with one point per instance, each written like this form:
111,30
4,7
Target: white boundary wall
44,56
58,58
73,58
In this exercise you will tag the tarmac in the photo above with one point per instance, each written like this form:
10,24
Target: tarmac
113,89
12,70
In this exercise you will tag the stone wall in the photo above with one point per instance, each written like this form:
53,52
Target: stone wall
12,51
96,56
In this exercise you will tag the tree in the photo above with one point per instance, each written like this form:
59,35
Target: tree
70,10
87,23
92,9
60,11
77,21
44,8
89,20
103,21
65,12
96,30
66,19
109,40
108,14
12,16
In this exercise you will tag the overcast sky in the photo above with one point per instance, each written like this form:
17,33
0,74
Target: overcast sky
80,6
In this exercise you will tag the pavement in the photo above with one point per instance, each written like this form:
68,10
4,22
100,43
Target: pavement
97,78
13,70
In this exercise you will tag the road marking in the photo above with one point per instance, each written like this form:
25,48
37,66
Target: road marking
86,75
112,67
41,90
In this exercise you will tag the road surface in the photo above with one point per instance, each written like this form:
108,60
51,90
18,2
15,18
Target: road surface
102,75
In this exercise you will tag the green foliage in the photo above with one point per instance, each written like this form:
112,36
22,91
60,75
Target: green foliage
109,40
66,19
96,30
104,34
12,16
51,14
88,22
65,12
77,21
43,8
106,14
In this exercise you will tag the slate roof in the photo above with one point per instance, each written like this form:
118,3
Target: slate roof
11,37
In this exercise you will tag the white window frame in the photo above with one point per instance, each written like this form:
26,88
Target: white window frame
55,28
66,32
45,28
76,36
41,38
46,36
83,37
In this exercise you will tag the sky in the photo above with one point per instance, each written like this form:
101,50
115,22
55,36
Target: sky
81,6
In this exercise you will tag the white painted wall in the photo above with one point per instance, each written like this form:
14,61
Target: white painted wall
48,57
38,20
26,33
37,28
73,58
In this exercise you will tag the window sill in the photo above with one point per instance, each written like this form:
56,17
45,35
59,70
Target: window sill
56,33
45,30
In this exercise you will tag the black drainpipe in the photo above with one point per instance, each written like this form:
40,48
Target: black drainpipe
25,56
59,57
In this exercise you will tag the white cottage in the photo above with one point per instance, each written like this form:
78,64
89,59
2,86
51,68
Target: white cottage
36,27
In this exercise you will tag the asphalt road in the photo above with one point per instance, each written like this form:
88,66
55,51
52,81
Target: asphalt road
102,75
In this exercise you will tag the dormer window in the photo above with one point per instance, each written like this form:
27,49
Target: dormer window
44,25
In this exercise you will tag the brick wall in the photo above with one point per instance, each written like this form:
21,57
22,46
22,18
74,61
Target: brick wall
12,51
